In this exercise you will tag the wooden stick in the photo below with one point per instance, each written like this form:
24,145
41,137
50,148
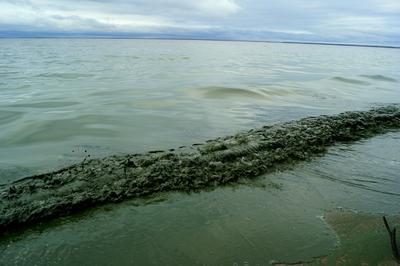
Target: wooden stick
392,235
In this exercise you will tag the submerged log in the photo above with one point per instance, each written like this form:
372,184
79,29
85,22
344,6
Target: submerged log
217,162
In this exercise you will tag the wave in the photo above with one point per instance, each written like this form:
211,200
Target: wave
224,92
379,77
351,81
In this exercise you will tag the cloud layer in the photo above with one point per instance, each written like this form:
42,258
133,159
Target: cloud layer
356,21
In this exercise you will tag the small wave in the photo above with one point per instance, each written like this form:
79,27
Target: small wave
351,81
154,104
171,58
8,87
356,183
123,56
6,73
9,116
379,77
59,130
82,61
26,86
64,75
361,180
284,91
224,92
6,67
45,104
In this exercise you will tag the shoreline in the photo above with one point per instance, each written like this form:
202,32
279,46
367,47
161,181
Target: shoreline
217,162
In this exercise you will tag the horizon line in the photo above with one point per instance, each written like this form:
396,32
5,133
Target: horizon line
202,39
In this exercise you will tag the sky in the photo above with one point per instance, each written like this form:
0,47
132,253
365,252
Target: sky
374,22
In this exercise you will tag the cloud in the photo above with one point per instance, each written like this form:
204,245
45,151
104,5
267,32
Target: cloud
387,6
108,16
361,21
356,21
359,24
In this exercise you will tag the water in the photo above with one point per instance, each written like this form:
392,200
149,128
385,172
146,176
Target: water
111,96
61,99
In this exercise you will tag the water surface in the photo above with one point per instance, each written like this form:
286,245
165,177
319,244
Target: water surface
111,96
63,99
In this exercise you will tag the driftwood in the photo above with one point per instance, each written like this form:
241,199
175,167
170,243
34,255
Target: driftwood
393,243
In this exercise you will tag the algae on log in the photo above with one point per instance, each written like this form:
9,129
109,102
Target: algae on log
219,161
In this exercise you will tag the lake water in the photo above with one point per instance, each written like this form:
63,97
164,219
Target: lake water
61,99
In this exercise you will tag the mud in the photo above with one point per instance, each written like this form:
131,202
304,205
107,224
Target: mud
216,162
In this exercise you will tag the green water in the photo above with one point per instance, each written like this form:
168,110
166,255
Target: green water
111,96
60,98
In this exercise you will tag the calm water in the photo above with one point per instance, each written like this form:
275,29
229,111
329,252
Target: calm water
59,98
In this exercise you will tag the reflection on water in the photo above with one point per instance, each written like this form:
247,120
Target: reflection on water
62,99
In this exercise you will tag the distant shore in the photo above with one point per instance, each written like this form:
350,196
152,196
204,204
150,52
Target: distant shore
73,36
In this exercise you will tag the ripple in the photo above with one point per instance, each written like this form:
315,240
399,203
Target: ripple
26,86
367,165
123,56
6,73
154,104
351,81
9,173
112,92
285,91
6,67
172,58
82,61
64,75
61,130
9,116
45,104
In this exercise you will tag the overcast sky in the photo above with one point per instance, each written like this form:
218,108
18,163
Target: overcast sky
346,21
